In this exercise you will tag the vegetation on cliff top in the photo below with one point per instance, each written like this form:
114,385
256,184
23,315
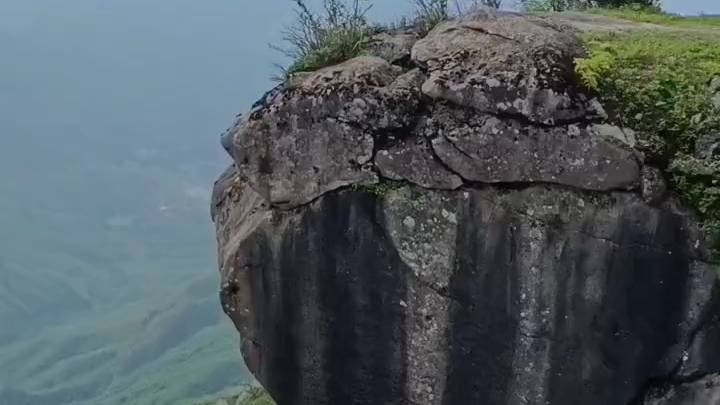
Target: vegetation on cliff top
658,82
655,81
250,396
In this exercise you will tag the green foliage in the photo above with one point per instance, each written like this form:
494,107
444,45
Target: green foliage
653,14
429,14
255,396
251,395
656,82
698,180
316,41
565,5
548,5
597,65
376,189
104,299
164,350
342,32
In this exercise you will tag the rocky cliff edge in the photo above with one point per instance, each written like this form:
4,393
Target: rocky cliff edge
453,221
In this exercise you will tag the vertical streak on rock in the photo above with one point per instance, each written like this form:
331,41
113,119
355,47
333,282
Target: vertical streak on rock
284,333
427,343
361,289
423,230
483,324
701,355
532,337
312,333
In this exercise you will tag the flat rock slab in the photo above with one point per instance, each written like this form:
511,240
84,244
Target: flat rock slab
413,161
501,151
506,63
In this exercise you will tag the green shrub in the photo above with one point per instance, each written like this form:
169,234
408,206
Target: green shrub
252,395
342,31
565,5
653,14
429,14
316,41
377,189
655,82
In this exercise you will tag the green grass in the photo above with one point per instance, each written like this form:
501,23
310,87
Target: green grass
656,17
316,40
334,45
655,82
252,395
164,350
114,314
430,13
377,189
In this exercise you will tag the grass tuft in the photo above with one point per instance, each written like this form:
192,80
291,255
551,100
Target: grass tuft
342,31
429,13
251,395
377,189
317,41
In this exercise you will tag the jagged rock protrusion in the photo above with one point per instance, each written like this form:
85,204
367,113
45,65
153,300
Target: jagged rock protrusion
318,133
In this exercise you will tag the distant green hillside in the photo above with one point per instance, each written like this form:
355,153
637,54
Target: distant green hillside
250,396
99,312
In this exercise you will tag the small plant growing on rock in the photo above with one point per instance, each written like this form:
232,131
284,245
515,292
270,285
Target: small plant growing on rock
316,41
642,6
376,189
254,396
430,13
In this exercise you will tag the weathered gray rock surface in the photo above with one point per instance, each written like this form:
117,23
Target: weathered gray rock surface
514,248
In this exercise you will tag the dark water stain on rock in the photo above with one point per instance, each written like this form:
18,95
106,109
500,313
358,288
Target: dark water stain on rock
483,319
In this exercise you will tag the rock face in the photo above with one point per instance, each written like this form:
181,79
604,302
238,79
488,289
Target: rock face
453,222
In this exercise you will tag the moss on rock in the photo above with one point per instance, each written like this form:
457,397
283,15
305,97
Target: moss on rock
253,395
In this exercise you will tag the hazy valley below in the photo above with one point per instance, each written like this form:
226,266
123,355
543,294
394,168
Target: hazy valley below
111,113
109,118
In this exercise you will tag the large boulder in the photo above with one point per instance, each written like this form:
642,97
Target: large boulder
462,229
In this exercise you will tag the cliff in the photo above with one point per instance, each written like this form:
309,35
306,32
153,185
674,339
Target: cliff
462,219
